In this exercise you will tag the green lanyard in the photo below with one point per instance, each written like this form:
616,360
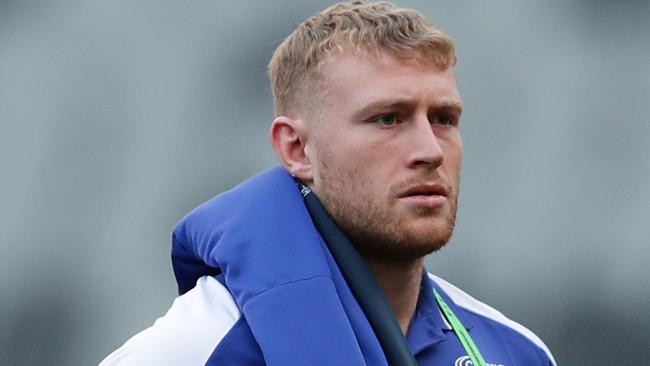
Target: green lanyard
461,333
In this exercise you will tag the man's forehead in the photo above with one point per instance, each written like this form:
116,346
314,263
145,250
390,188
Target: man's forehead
376,77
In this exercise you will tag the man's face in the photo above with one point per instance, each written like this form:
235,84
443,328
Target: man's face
386,153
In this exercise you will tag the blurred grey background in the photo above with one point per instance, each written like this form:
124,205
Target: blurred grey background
118,117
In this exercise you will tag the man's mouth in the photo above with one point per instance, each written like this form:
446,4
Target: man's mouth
425,196
425,190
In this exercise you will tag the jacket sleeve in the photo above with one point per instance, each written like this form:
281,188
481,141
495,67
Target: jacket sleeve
187,334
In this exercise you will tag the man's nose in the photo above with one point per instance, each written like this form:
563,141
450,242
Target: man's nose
423,145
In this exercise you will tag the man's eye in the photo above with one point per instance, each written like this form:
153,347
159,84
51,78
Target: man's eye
443,119
387,120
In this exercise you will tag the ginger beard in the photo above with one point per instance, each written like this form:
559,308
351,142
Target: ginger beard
374,222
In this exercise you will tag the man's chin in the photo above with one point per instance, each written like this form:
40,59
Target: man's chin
415,245
398,254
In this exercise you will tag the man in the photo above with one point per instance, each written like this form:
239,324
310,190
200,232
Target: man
367,117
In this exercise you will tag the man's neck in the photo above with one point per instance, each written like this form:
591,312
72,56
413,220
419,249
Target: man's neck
401,284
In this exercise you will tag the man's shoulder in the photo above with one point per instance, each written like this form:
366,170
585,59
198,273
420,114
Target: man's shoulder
187,333
486,314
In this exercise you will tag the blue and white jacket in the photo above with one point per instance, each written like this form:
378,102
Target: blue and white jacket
259,287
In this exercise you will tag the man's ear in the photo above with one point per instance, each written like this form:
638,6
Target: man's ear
289,138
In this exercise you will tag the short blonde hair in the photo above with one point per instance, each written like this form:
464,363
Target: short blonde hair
351,27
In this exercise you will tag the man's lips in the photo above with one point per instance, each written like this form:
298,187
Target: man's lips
425,190
425,196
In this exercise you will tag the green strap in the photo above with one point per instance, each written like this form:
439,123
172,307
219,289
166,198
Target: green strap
461,333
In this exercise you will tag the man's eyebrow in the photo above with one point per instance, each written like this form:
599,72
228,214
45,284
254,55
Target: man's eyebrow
387,103
450,105
405,103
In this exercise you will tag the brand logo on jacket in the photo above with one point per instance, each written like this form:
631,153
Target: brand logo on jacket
465,361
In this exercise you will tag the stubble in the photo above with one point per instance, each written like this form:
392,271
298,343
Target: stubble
372,222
